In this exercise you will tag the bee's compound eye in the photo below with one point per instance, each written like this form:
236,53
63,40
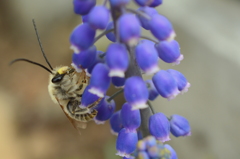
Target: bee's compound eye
57,78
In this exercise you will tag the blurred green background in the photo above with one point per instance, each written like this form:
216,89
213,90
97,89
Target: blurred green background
33,127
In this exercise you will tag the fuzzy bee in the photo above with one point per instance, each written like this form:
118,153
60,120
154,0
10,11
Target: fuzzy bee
66,87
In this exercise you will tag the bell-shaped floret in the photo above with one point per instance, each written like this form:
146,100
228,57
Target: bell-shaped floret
155,3
172,151
84,59
111,36
147,57
118,3
117,59
129,29
126,142
82,7
88,98
153,93
136,92
169,51
116,123
131,119
105,110
98,17
100,81
165,84
82,37
179,126
143,20
161,28
159,127
182,82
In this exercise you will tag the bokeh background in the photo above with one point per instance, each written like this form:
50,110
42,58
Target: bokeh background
32,127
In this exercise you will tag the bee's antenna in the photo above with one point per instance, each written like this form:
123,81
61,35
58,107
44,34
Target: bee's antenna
32,62
40,44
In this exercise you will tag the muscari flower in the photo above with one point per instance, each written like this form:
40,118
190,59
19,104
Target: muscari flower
172,151
126,142
99,59
82,37
161,28
147,57
182,82
100,81
117,59
135,92
101,20
179,126
116,123
169,51
155,3
131,119
118,3
82,7
87,98
129,32
165,84
105,110
84,59
159,127
143,20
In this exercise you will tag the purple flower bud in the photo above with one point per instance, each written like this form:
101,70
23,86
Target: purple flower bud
150,141
87,98
111,36
153,93
126,142
173,152
117,59
143,155
143,2
179,126
153,152
99,59
118,82
129,32
85,58
82,37
116,123
169,51
82,7
118,3
149,11
159,127
131,119
100,81
136,93
147,57
165,84
161,28
98,17
105,110
156,3
141,145
182,82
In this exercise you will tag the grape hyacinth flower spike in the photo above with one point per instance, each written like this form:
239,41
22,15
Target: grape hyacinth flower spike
122,63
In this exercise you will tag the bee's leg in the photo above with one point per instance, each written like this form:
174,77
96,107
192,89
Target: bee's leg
93,105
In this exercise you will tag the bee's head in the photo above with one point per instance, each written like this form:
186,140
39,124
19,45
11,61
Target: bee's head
61,72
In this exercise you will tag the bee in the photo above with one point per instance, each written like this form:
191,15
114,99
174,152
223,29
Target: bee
66,87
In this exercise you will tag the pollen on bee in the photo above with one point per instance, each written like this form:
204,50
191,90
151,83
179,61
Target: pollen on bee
62,70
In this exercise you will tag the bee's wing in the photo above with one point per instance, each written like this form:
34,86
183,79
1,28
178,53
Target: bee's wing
77,124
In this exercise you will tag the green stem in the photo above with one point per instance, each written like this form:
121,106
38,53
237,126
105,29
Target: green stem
114,95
